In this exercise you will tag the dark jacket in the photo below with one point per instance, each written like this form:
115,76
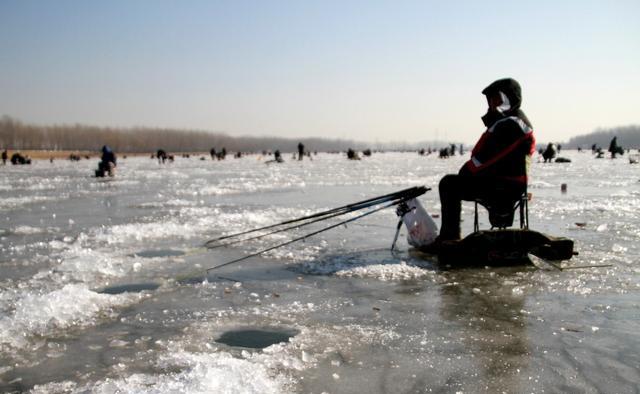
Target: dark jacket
505,148
108,156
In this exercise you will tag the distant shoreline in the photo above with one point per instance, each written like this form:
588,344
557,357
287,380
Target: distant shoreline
64,154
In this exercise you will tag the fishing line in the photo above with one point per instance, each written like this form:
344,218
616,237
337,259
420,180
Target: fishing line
279,230
413,192
398,201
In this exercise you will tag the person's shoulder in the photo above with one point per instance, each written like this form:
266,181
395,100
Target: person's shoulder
510,124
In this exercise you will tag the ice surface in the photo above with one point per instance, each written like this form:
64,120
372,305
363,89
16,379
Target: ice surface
369,320
50,313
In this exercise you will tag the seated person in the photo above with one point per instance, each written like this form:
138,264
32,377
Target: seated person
107,163
497,170
549,153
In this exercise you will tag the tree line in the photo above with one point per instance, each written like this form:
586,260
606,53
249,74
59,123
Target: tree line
16,135
628,138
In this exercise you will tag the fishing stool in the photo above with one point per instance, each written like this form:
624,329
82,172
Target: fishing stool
502,211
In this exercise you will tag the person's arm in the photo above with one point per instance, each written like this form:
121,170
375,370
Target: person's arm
496,143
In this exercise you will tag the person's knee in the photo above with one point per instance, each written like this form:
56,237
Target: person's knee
448,182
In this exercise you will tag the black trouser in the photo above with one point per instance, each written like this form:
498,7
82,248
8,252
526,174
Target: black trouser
455,188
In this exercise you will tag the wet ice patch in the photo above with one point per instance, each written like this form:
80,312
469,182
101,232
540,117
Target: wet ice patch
87,263
198,373
28,230
252,186
54,388
378,264
138,232
399,271
176,202
159,253
44,313
129,288
16,202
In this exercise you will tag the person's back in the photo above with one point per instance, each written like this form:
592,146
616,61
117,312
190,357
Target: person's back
108,156
107,163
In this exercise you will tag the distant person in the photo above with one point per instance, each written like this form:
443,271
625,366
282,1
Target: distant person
162,156
549,154
277,158
300,150
5,156
18,159
212,152
499,161
107,163
613,147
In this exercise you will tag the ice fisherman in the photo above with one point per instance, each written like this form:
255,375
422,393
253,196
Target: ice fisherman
614,148
549,153
107,163
300,150
499,161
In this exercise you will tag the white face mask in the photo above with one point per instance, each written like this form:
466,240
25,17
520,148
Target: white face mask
506,104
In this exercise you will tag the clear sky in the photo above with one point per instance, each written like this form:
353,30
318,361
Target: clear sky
367,70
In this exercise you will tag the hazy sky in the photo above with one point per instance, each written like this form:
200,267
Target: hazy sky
367,70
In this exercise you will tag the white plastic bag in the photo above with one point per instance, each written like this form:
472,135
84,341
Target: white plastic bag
421,228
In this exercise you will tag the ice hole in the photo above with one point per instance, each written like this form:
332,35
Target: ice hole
256,338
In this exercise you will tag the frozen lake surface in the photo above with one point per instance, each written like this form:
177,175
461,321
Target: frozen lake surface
102,286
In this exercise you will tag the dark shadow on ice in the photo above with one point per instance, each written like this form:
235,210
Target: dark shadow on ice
129,288
256,338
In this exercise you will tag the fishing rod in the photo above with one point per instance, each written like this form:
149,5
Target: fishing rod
396,202
296,226
412,191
